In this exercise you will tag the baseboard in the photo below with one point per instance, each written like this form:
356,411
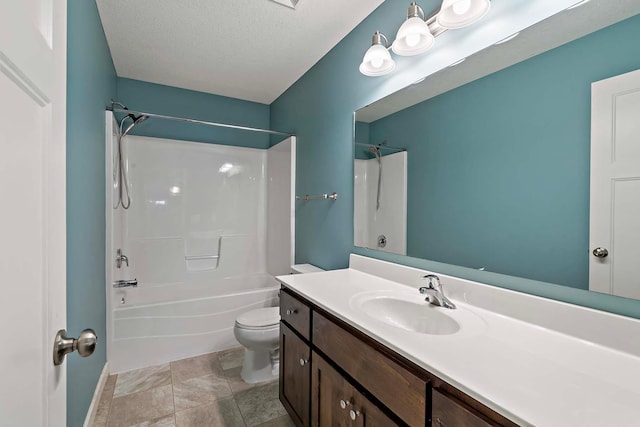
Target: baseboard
93,408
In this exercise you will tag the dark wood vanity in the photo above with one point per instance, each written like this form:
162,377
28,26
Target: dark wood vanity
331,375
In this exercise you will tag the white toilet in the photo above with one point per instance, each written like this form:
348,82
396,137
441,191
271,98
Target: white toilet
259,332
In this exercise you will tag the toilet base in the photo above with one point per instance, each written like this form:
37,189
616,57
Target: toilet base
260,365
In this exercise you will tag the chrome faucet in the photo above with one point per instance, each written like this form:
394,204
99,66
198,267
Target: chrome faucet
434,292
125,283
121,257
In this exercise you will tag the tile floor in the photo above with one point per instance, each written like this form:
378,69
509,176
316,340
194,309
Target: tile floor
200,391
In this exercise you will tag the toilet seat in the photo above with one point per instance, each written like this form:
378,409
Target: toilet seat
259,319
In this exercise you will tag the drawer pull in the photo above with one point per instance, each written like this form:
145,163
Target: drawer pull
291,311
354,414
344,403
303,361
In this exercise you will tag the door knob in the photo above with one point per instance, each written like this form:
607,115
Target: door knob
600,252
85,344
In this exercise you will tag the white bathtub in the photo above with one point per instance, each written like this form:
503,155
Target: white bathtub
150,334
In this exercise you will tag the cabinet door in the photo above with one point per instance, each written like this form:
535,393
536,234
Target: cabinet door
367,414
295,375
336,403
331,397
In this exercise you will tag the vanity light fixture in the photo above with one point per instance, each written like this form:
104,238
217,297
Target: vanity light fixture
417,34
460,13
414,36
377,60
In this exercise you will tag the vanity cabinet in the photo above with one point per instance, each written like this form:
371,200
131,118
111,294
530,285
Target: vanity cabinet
332,374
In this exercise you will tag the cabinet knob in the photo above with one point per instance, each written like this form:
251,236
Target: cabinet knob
354,414
344,403
303,361
291,311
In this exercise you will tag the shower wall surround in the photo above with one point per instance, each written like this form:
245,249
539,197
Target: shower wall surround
198,240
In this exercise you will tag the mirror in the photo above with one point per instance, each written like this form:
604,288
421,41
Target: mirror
486,164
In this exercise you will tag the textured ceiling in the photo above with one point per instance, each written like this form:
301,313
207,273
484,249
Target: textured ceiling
246,49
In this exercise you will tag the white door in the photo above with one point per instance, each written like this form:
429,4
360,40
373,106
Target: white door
32,212
614,265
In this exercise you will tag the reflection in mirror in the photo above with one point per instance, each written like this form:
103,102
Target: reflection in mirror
380,197
498,176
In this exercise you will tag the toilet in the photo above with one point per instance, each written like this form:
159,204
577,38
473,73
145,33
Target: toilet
259,332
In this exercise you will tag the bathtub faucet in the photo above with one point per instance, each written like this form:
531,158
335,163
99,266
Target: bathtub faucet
126,283
121,257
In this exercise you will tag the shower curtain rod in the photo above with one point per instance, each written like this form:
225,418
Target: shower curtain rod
387,147
201,122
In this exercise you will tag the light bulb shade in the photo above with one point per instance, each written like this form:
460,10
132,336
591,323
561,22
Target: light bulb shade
460,13
377,61
413,38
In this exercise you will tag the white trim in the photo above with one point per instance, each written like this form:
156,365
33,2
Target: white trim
97,394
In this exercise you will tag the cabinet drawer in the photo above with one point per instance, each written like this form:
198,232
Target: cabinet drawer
295,313
449,413
393,385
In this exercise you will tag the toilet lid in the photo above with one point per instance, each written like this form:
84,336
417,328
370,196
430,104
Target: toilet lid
260,317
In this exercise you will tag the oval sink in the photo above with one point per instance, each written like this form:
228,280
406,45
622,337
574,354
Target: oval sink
409,315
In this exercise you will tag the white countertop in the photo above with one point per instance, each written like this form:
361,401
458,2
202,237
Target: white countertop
530,374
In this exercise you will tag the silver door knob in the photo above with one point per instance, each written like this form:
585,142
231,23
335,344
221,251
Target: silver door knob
85,344
303,361
600,252
291,311
354,414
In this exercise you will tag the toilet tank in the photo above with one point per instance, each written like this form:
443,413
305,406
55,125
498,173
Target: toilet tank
304,268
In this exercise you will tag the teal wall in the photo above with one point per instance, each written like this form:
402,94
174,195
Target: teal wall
319,109
499,168
91,83
172,101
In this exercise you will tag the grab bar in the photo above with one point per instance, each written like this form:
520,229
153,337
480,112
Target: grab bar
196,257
306,198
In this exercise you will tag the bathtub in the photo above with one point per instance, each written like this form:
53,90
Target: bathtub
150,334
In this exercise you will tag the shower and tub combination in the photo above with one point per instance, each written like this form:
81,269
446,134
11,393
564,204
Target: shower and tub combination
196,233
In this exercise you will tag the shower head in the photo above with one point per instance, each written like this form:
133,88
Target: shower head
376,151
136,120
